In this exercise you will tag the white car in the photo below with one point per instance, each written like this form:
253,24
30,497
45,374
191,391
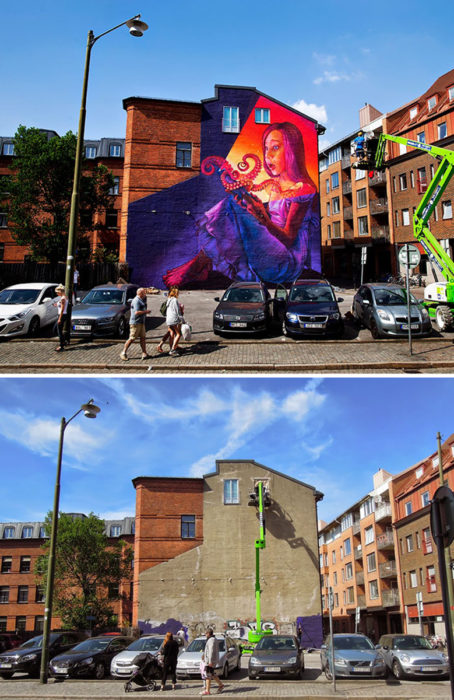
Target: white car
188,664
122,665
25,308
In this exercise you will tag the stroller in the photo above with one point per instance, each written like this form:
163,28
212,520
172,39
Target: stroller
148,670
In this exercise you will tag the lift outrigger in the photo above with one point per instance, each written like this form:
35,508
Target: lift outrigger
438,296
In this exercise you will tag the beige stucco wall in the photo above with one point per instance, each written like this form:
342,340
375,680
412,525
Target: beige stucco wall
216,581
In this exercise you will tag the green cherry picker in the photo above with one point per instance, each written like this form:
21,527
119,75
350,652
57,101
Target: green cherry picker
438,296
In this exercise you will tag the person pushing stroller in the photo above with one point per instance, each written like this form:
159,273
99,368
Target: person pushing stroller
147,673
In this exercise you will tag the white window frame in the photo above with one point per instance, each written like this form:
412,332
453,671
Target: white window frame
337,229
403,182
229,495
440,129
371,562
408,508
91,152
446,208
230,119
336,205
405,217
425,499
432,103
421,137
363,231
369,535
360,174
115,150
334,176
409,543
413,112
373,589
413,579
363,197
262,115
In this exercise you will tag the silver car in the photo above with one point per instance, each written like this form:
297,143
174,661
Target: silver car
188,664
104,310
412,655
354,655
121,665
383,309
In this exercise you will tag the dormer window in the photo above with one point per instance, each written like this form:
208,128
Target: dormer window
413,112
431,102
115,150
451,93
90,151
419,472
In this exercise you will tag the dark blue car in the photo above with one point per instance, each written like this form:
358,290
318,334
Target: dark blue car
312,310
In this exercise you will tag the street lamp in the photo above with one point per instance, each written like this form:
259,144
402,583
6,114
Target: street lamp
136,28
90,411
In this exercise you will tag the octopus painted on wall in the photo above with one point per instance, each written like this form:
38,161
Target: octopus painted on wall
252,214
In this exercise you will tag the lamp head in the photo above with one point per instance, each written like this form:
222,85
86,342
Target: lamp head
89,409
136,27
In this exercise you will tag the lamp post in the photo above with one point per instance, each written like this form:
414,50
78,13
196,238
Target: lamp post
136,28
90,411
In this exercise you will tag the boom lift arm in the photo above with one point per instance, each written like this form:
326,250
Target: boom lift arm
260,499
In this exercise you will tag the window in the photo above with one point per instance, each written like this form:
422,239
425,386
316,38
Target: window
329,231
347,521
333,556
348,572
3,624
396,218
394,184
231,120
20,623
3,220
403,181
421,137
413,579
327,186
347,546
419,472
402,149
373,589
262,116
115,530
408,508
361,198
360,175
25,565
336,600
114,150
8,532
40,594
368,535
90,151
431,580
27,532
425,499
350,598
442,130
427,541
405,217
42,532
336,229
413,112
334,181
412,179
366,508
435,462
113,591
451,93
409,541
231,494
431,102
371,562
335,155
2,251
184,154
115,189
8,149
22,594
418,540
111,218
336,208
335,578
446,208
39,623
7,563
363,228
328,208
435,214
187,527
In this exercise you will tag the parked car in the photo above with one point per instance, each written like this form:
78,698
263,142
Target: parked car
9,640
27,657
188,664
383,309
91,657
121,665
411,655
25,308
277,655
354,655
311,309
104,310
245,307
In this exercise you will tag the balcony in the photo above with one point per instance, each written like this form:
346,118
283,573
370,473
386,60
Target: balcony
358,553
380,233
390,598
356,525
361,601
377,179
346,162
388,569
378,206
385,540
359,578
383,511
347,187
348,212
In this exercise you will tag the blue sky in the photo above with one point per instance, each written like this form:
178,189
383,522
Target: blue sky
332,433
329,58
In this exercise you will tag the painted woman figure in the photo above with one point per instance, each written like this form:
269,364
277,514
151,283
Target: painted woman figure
245,239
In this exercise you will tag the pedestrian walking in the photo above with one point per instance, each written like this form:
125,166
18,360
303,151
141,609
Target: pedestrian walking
174,319
169,651
211,658
137,324
62,308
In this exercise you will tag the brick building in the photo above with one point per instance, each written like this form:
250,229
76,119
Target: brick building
21,599
195,553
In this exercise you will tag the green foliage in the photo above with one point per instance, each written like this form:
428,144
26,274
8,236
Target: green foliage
88,570
103,255
40,188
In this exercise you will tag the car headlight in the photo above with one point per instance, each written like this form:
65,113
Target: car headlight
339,661
444,657
259,316
293,318
182,664
218,315
405,658
253,661
291,660
378,662
20,315
335,315
106,319
29,657
86,662
384,315
424,314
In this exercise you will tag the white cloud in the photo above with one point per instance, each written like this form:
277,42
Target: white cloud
316,450
329,76
299,404
317,112
323,143
324,59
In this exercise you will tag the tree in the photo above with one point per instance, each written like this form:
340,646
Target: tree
88,570
39,192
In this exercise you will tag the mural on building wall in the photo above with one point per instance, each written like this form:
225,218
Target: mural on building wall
252,214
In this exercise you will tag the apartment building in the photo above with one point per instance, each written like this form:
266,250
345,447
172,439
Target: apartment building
21,599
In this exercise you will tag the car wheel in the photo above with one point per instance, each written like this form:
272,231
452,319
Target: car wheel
443,317
33,328
374,329
100,671
251,677
122,327
225,671
328,674
6,675
398,670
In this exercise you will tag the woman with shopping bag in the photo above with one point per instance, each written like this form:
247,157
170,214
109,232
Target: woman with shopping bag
174,319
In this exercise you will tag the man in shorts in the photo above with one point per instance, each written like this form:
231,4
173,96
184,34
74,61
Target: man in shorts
137,324
211,658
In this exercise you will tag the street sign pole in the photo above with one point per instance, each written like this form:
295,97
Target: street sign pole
420,606
330,608
408,298
363,261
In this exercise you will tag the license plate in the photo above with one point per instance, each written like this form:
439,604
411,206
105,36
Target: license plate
428,669
414,326
81,328
5,665
272,669
360,670
238,325
59,669
313,325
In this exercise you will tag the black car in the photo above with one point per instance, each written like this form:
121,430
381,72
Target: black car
104,310
91,657
27,657
312,310
245,307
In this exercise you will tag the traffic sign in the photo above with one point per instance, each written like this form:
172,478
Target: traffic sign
363,255
413,254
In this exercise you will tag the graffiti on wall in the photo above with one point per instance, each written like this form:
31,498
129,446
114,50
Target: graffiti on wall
251,215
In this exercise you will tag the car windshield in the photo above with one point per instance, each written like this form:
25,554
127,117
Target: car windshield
276,643
19,296
103,296
146,644
93,644
199,645
245,296
310,293
392,297
352,643
35,642
411,642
